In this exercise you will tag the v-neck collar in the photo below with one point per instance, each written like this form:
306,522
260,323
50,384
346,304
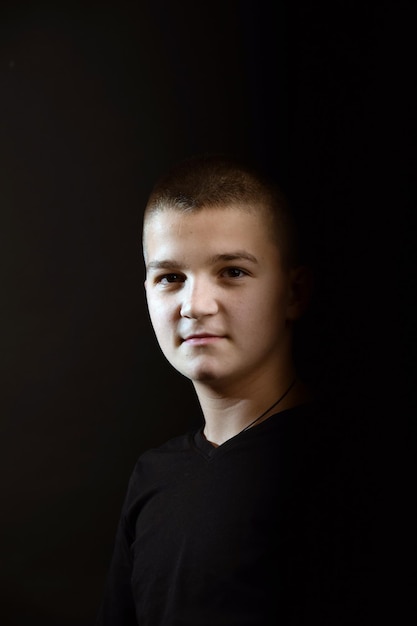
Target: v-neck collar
209,451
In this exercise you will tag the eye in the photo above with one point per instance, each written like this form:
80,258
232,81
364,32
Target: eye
234,272
167,279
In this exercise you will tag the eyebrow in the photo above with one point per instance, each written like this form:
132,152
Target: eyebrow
227,257
234,256
162,265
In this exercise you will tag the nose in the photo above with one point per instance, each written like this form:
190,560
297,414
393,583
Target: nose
199,299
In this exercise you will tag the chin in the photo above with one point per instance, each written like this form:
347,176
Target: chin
200,374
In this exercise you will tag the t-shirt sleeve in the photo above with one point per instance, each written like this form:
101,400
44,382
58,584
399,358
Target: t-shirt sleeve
117,606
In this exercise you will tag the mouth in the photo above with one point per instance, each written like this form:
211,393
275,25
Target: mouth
202,339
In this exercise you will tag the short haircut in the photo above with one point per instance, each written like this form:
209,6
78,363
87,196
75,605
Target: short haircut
218,181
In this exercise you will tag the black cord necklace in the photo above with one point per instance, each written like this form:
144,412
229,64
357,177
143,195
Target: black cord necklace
271,407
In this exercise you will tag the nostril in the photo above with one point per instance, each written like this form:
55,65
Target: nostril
199,303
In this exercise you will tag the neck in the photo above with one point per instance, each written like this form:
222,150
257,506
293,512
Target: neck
228,414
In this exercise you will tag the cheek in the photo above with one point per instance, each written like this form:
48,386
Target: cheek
270,314
264,307
154,313
250,323
161,316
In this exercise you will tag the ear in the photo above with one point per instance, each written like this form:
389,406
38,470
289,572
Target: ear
301,289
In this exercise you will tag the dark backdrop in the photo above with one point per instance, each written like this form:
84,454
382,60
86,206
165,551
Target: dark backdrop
97,99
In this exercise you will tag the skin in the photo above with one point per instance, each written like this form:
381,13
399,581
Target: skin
222,307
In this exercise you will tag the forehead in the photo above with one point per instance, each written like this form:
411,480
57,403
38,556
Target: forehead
207,226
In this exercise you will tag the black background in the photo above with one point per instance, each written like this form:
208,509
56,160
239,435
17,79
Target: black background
97,99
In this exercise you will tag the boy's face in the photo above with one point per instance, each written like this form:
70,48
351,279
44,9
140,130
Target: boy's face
218,296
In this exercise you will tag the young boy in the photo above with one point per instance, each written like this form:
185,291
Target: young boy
233,524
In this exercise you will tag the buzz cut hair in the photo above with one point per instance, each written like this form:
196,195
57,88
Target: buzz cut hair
217,180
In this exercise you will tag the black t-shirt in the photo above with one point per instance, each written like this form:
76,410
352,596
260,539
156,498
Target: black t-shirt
254,532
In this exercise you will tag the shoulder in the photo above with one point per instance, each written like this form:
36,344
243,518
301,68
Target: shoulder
160,460
155,469
176,445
